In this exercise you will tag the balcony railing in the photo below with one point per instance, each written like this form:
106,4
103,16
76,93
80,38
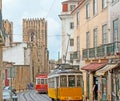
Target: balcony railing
102,51
75,55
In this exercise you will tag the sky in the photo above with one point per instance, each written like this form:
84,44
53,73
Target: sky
16,10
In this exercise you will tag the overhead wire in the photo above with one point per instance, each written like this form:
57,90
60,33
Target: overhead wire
50,9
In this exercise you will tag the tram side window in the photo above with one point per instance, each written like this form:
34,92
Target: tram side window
71,80
51,82
42,81
79,80
38,81
63,81
45,81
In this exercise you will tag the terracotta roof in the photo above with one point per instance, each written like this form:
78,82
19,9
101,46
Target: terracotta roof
93,66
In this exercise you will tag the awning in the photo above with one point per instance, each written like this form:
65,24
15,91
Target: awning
105,69
93,66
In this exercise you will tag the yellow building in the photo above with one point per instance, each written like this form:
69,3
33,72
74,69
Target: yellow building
90,34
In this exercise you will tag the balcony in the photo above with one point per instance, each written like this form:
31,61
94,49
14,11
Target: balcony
105,50
75,56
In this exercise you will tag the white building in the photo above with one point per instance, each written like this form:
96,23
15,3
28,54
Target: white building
67,30
19,53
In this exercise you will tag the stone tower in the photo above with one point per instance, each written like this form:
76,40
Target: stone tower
35,34
8,28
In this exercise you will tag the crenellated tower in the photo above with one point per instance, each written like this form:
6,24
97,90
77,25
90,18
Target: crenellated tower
35,34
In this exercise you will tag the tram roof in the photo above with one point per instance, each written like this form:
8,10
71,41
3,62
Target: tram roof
65,68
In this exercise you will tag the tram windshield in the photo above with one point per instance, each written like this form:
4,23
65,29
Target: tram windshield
63,81
71,80
42,81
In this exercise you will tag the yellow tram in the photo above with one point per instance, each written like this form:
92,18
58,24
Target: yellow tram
65,83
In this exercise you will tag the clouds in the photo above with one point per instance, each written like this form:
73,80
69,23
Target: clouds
16,10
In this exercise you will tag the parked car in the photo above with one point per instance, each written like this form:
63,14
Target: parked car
6,95
9,94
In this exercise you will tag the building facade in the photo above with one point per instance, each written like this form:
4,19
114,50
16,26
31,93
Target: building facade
91,23
68,30
35,34
97,26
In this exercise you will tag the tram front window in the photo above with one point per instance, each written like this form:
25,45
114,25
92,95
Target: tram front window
71,80
63,81
42,81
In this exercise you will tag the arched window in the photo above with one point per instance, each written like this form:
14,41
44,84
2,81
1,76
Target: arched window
32,36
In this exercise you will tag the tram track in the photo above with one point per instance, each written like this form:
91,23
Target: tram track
43,95
27,95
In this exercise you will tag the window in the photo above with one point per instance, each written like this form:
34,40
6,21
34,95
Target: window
104,34
87,10
79,80
45,81
71,80
71,42
38,81
87,40
95,7
71,56
104,3
72,7
42,81
114,0
71,25
78,43
51,82
95,37
78,18
115,30
32,36
65,7
63,81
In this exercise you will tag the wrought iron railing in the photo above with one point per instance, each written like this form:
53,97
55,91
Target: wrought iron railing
102,51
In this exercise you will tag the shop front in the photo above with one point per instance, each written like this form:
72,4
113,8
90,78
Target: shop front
91,84
105,82
116,84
